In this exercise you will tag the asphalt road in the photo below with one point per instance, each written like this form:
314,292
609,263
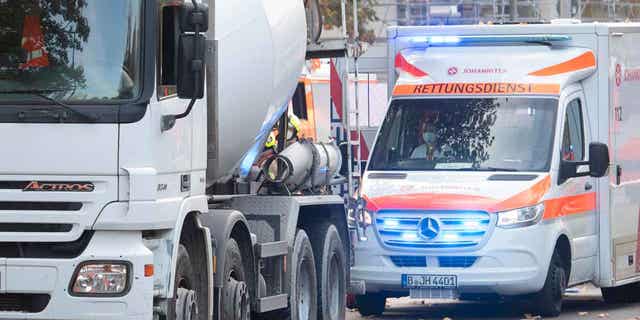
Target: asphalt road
583,305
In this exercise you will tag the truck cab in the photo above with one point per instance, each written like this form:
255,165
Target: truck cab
486,176
130,129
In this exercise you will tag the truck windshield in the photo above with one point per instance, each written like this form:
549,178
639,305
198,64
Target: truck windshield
479,134
72,50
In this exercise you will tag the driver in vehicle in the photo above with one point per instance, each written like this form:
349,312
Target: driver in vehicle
427,134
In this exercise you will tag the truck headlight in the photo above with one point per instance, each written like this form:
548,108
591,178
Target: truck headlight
101,279
521,217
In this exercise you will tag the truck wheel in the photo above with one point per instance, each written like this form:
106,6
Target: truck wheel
235,294
331,266
622,294
186,305
371,304
548,302
303,298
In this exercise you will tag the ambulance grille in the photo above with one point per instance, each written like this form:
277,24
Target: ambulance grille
432,229
443,261
409,261
456,261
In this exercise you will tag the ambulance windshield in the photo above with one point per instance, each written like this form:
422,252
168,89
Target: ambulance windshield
476,134
71,50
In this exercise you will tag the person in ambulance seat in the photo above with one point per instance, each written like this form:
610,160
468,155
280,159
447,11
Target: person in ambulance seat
567,147
427,134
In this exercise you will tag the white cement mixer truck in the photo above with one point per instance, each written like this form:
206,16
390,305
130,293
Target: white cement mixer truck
132,180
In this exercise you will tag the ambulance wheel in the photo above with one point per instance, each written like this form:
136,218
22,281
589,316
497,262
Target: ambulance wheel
548,302
371,304
303,284
331,266
622,294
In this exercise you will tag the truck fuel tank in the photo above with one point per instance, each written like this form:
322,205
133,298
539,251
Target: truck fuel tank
304,166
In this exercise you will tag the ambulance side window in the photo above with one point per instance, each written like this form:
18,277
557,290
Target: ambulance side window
573,133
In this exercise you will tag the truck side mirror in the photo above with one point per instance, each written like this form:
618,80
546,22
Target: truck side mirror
191,63
190,17
598,159
194,19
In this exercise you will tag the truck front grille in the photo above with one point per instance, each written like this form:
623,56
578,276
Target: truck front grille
35,227
46,250
432,229
39,206
27,303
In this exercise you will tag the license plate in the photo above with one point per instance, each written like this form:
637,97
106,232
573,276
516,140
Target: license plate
429,281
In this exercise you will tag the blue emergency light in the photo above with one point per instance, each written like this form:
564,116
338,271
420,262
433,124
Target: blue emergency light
449,40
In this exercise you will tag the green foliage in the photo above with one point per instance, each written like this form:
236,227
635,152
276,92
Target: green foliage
64,28
332,15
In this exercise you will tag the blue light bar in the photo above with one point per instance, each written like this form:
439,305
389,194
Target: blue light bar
390,223
491,39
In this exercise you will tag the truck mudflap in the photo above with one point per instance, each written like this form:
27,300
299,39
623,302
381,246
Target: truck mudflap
226,224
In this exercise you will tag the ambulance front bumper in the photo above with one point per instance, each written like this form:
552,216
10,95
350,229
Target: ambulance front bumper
47,283
509,262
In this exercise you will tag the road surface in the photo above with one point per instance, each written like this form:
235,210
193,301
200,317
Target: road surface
583,305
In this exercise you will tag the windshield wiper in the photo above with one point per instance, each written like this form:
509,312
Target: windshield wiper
43,95
496,169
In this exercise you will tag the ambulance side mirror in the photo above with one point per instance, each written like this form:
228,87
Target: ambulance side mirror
596,166
598,159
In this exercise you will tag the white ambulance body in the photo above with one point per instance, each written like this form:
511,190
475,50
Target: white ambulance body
508,164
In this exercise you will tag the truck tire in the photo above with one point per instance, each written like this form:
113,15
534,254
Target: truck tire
623,294
548,302
331,266
235,293
303,287
186,304
371,304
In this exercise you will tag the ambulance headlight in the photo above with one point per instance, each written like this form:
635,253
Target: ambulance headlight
101,279
521,217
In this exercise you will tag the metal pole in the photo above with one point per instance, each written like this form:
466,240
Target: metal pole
345,101
356,35
565,8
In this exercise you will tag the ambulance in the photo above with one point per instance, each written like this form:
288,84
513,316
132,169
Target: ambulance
508,166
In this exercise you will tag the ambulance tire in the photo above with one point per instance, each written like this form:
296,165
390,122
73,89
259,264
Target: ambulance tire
548,301
331,266
371,304
623,294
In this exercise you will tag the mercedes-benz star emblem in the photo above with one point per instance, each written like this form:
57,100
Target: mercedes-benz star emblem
429,228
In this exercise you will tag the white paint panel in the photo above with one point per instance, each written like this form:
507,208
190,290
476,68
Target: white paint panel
625,136
59,149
